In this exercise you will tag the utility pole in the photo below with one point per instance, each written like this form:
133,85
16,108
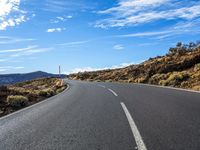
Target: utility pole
59,71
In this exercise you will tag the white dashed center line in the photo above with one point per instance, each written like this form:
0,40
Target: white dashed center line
113,92
135,131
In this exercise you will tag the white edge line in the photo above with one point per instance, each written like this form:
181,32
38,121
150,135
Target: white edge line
135,131
101,86
25,108
113,92
160,86
168,87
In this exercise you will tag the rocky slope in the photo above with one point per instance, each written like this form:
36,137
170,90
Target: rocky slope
180,67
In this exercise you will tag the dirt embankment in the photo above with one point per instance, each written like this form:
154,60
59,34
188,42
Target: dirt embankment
17,96
180,67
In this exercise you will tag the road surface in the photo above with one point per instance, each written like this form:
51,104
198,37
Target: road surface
106,116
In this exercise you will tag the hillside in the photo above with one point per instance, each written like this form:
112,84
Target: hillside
180,67
15,78
17,96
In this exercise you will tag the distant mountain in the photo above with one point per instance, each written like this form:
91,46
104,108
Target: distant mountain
14,78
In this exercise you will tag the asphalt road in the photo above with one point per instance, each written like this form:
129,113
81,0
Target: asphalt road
106,116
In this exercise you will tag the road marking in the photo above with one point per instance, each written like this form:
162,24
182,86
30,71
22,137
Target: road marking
113,92
168,87
101,86
135,131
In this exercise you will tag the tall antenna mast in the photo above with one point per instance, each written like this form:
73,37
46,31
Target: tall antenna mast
59,71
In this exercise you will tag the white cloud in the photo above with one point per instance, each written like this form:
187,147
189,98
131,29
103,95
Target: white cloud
31,52
61,6
135,12
76,70
8,5
18,50
127,7
146,34
2,70
184,27
73,44
61,19
122,65
69,16
118,47
3,60
7,68
64,18
11,40
10,14
55,30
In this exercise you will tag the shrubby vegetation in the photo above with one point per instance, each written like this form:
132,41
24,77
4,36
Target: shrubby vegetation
22,94
183,48
46,92
180,67
17,101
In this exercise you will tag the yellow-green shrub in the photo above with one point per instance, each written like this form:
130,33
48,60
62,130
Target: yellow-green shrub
197,67
196,74
131,80
157,78
60,90
140,80
175,78
197,88
46,92
17,101
180,76
162,82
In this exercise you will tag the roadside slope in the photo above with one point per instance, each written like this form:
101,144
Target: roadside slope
179,68
20,95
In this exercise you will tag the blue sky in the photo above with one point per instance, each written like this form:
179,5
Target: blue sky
89,35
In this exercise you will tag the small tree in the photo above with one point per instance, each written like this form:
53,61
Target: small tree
179,45
198,44
172,50
180,48
191,45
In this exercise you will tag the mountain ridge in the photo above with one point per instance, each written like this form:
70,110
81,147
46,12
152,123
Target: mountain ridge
21,77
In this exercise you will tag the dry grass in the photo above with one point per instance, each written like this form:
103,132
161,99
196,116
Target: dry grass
19,95
17,101
178,68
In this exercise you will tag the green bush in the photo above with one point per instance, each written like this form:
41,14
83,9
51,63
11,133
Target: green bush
60,90
163,82
157,78
174,79
98,81
17,101
46,93
197,67
178,76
